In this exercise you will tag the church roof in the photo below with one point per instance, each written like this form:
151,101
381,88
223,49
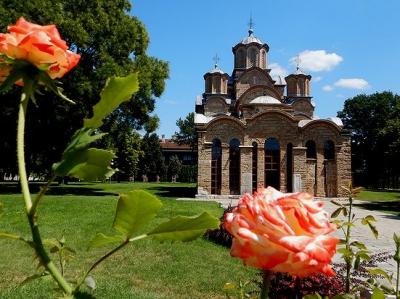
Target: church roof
251,39
265,100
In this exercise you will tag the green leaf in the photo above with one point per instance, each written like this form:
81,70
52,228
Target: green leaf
101,240
378,294
134,210
116,91
87,164
373,230
345,252
337,212
183,228
359,245
336,203
363,254
357,262
379,271
396,238
367,219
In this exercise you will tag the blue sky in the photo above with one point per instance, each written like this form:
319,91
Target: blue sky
349,47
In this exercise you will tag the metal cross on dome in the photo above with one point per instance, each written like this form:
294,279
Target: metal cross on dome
216,60
298,61
251,23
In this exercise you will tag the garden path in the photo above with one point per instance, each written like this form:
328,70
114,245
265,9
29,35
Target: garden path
386,225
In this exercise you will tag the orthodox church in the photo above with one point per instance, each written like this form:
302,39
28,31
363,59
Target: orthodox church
255,131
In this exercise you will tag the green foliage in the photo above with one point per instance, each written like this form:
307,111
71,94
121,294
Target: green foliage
134,210
187,132
151,163
111,42
184,228
374,122
174,165
101,240
116,91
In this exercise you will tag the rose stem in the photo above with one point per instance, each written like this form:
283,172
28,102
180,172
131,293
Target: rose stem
37,240
266,274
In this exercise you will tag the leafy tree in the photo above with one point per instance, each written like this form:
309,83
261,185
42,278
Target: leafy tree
125,143
174,166
187,133
374,121
110,42
151,163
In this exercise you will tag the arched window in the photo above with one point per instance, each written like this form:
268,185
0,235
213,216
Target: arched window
329,150
254,165
208,85
216,85
216,153
253,57
289,167
272,163
240,58
234,166
311,150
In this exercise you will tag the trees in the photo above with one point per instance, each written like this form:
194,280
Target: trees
151,163
374,121
187,133
110,42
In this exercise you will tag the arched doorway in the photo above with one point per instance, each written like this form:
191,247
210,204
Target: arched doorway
234,166
312,170
289,167
254,158
216,162
272,163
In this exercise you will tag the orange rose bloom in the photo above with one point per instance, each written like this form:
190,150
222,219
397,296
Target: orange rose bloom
282,233
40,45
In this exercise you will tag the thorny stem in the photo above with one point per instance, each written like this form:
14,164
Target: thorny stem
266,284
348,259
37,240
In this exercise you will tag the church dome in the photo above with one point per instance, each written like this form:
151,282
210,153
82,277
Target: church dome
251,39
265,100
216,70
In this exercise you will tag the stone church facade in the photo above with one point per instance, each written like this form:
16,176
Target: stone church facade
255,131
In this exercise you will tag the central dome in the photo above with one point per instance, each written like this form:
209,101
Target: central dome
265,100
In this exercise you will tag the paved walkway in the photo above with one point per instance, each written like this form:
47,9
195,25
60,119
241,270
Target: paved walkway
386,225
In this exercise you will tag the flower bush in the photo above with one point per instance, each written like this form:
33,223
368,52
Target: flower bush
282,233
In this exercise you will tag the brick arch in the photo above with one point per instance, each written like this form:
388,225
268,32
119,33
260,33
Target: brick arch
260,72
322,122
216,104
281,114
225,128
267,90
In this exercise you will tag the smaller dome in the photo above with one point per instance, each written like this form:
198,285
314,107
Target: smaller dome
265,100
251,39
216,69
279,80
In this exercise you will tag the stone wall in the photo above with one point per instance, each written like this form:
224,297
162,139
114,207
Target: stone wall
318,176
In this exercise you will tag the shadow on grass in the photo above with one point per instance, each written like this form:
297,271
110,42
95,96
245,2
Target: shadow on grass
384,206
174,191
55,189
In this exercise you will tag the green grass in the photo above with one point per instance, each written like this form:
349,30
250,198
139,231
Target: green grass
377,200
145,269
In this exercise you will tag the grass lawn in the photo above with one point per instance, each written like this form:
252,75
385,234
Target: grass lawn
144,269
385,201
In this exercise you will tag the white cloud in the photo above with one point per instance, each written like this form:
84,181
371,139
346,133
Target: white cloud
317,79
277,70
327,88
352,83
317,60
